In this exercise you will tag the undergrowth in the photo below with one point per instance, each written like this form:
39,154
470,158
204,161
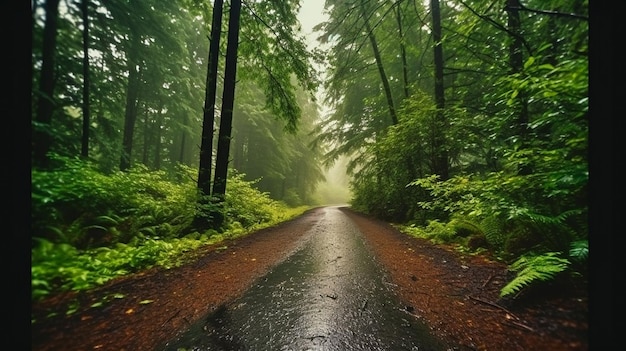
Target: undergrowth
89,227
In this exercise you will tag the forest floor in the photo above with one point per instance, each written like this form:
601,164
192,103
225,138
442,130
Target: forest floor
456,294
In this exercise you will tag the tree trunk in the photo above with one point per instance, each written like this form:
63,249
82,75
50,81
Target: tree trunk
206,146
202,220
228,100
146,138
516,61
132,93
379,65
181,154
157,136
41,137
86,117
405,75
440,156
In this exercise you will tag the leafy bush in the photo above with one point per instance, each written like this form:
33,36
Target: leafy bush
78,205
89,227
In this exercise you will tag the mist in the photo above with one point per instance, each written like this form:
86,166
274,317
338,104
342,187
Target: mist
335,190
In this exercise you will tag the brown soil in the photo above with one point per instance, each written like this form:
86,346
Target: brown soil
457,295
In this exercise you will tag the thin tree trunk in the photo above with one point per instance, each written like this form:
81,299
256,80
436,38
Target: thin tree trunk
146,137
516,61
158,134
405,74
181,155
132,93
440,157
86,117
381,69
41,137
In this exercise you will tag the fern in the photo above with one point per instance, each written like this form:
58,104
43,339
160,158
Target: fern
579,250
493,227
531,269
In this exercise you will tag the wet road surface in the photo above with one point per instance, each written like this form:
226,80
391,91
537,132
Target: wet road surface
329,295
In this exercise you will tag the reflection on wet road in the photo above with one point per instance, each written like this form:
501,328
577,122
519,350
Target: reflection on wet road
329,295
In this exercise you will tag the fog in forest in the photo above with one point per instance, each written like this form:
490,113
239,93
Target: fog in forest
335,190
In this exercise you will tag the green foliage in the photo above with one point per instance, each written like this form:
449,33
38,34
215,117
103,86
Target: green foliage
78,205
246,205
534,268
435,231
61,267
89,228
493,227
502,202
579,250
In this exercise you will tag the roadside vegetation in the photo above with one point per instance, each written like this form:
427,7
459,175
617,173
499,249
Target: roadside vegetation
89,227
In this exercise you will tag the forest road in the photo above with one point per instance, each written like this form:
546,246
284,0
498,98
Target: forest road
326,280
330,294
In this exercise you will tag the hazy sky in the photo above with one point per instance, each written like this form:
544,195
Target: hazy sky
311,13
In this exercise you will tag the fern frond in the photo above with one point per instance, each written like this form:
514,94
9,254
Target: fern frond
531,269
109,219
493,227
579,250
551,220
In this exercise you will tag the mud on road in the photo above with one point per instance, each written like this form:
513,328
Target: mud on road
454,294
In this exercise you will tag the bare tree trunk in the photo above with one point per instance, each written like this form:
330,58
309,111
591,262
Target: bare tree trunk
132,92
181,154
86,117
157,137
516,61
228,100
146,138
41,137
440,156
206,146
379,65
405,75
202,219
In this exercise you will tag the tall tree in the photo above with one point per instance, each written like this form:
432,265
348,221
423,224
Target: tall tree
41,137
516,62
208,122
132,92
440,153
405,75
228,100
379,64
86,81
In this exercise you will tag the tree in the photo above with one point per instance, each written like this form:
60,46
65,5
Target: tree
516,61
271,56
439,147
228,100
41,136
86,81
132,92
208,121
379,65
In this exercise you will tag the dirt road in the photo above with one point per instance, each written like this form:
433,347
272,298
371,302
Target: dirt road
329,295
455,295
